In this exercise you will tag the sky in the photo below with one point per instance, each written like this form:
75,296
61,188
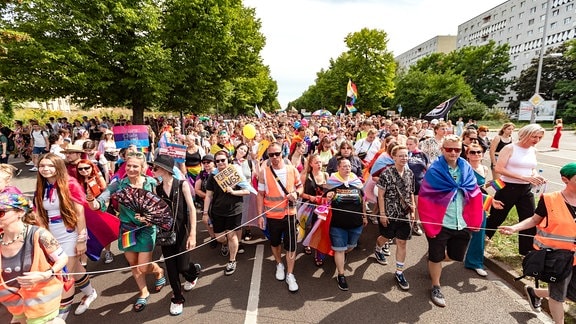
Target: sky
303,35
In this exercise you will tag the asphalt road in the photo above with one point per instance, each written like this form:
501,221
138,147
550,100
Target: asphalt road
252,294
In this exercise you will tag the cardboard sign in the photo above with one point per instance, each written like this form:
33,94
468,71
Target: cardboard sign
176,151
228,177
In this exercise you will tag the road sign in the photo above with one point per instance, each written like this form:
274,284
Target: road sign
536,99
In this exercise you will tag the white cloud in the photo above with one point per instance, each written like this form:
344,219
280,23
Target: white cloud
302,35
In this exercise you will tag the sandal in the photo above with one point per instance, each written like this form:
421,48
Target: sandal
319,259
141,303
307,250
159,284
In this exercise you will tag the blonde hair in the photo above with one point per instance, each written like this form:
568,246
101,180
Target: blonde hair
7,171
529,130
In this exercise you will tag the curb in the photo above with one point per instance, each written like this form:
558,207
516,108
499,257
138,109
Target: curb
508,274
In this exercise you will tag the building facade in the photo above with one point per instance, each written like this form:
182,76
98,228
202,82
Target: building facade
438,44
520,23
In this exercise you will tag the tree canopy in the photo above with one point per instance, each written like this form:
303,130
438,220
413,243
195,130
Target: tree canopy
186,55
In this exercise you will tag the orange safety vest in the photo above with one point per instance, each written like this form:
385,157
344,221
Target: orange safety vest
38,301
275,202
561,230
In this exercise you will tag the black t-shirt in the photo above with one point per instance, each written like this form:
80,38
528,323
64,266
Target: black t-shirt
223,204
543,212
347,207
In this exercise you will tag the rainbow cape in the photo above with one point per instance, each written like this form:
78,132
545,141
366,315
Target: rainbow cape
102,227
335,180
439,189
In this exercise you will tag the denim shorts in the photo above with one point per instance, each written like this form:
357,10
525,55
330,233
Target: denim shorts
344,238
39,150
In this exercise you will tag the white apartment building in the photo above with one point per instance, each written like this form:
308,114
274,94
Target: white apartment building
438,44
520,23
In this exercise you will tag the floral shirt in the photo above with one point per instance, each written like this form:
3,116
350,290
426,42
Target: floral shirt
389,181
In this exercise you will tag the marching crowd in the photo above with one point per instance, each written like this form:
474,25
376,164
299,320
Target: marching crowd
315,182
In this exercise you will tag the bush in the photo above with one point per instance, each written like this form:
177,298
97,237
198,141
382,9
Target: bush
473,110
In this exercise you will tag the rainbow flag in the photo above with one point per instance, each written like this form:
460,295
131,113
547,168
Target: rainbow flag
497,184
129,238
487,202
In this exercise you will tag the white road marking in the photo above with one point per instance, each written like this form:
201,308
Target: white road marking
254,295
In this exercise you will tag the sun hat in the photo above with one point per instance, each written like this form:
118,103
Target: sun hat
73,149
12,200
165,162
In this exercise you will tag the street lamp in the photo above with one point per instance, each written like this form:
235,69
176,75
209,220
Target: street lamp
540,60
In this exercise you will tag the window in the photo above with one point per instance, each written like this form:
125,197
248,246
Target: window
541,29
520,15
542,17
544,5
567,20
531,22
515,57
530,32
517,36
555,12
511,18
510,29
512,8
522,4
533,10
520,25
553,25
504,12
570,7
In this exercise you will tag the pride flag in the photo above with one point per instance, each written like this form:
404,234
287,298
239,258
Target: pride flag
497,184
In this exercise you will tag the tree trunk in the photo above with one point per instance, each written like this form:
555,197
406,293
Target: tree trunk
138,108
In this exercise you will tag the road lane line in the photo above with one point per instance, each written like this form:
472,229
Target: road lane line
254,295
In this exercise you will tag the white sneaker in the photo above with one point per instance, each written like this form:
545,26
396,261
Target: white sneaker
481,272
291,282
33,169
85,302
280,274
176,309
30,163
190,285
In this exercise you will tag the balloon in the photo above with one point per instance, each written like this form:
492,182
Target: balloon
296,124
304,122
249,131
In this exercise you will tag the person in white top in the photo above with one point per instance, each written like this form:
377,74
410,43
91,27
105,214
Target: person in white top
367,147
517,166
39,143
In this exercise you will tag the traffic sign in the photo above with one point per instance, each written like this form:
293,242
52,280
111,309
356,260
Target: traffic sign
536,99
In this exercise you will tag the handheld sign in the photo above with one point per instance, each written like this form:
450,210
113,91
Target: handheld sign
228,177
176,151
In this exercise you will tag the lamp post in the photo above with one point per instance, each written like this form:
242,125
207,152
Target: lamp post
541,59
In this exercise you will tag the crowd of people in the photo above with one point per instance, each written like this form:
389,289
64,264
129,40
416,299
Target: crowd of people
327,177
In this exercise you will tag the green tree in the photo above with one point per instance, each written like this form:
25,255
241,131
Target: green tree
419,92
558,75
483,67
367,62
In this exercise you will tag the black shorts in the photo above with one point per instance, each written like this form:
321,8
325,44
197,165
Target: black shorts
400,229
283,229
228,223
448,241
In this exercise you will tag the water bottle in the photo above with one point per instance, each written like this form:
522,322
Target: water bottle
537,190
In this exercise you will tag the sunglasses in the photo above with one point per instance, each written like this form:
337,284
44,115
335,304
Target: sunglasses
221,160
474,152
473,139
155,168
136,154
206,162
453,149
274,154
84,169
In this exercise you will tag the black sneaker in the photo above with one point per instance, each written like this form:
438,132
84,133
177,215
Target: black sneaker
230,268
386,249
18,172
401,281
224,250
534,301
342,284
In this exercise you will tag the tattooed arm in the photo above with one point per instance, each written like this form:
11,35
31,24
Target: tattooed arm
54,252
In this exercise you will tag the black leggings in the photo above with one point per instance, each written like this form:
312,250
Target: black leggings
518,195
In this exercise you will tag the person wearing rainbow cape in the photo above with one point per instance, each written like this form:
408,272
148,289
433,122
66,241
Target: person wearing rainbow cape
450,207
